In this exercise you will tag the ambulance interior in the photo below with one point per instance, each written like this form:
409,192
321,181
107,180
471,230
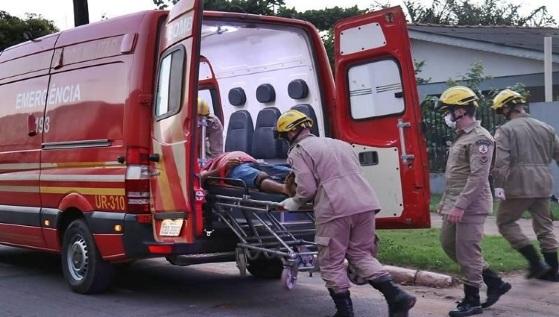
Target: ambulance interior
250,75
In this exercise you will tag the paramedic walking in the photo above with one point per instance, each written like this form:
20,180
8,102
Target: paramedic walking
327,171
525,148
467,200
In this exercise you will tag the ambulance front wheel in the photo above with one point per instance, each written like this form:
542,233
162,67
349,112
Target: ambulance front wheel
84,269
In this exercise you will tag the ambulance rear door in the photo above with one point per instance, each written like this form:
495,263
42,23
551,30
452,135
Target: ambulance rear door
378,112
173,159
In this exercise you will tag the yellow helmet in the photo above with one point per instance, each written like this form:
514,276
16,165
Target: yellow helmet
457,96
507,97
291,120
203,109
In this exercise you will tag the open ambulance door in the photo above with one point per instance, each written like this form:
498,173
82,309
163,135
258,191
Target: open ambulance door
377,111
173,160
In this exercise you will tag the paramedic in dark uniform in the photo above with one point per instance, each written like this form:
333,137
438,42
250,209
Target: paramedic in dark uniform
467,200
214,130
522,180
328,172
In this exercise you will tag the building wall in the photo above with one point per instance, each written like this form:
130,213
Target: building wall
443,62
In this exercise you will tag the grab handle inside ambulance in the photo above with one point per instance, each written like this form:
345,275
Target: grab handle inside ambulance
31,125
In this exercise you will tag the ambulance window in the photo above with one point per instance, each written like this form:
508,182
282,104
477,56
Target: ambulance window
169,87
375,89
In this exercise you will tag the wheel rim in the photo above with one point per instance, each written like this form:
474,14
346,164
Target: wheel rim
78,258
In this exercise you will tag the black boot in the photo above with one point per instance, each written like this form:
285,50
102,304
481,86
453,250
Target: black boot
469,306
537,268
496,287
399,302
344,306
551,260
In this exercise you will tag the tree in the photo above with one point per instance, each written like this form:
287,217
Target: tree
488,12
264,7
14,30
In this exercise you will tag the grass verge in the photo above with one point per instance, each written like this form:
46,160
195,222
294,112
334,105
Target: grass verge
421,249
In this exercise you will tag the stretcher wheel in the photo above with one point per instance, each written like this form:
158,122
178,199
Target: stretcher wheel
289,277
241,261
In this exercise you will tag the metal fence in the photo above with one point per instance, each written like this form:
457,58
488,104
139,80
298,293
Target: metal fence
439,136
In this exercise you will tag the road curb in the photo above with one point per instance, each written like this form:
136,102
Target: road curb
420,278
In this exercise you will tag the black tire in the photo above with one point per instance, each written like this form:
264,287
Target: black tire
84,269
263,267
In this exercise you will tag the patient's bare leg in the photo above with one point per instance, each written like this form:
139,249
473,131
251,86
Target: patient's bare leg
271,186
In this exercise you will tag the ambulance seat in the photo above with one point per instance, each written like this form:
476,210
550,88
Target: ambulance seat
264,145
239,132
309,111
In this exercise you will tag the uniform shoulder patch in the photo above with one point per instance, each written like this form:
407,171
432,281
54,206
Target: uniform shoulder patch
484,142
483,145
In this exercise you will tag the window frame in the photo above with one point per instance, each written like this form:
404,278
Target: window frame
173,112
370,61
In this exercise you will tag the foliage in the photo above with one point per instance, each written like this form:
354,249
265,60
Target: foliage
264,7
418,67
14,30
323,19
421,249
464,12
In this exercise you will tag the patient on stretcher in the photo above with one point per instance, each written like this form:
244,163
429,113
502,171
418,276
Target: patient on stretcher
263,176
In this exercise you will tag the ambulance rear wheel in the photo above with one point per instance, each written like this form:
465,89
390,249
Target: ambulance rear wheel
84,269
265,268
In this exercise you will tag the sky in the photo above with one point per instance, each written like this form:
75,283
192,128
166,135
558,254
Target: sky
61,12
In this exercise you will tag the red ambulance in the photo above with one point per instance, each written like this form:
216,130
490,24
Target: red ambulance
99,136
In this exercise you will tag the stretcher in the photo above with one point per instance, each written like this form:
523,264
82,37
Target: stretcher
263,228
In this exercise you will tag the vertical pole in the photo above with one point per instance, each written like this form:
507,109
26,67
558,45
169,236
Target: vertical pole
81,12
548,69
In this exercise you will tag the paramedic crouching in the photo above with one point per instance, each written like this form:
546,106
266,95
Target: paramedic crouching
328,172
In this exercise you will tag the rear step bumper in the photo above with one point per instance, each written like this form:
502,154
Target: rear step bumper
184,260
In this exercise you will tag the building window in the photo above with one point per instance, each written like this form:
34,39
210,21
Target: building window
375,89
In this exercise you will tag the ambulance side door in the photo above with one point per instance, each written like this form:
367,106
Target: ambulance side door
377,111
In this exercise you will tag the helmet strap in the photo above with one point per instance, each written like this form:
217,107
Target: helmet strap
292,140
454,117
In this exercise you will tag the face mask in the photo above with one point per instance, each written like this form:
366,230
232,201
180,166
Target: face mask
449,122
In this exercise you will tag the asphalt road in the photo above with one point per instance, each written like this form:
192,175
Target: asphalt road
31,284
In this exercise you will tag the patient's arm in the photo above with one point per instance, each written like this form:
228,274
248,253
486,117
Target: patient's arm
208,173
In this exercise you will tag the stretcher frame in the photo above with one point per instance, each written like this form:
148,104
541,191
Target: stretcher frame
261,233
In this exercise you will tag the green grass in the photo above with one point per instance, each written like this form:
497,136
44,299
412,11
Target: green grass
421,249
436,199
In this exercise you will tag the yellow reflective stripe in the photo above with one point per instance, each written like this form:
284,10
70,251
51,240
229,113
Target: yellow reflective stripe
31,166
113,164
20,189
83,190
